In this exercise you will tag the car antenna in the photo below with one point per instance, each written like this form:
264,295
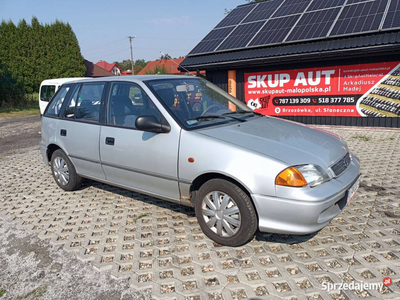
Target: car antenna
179,65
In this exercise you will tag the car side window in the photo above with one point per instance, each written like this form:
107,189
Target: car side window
88,102
70,109
128,102
54,107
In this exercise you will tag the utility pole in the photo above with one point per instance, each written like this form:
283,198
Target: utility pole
130,41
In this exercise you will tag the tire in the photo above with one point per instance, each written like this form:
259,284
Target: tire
64,172
233,225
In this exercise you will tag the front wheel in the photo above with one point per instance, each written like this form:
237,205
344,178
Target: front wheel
225,213
64,172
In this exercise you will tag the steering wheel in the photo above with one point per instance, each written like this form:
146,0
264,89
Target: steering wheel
209,108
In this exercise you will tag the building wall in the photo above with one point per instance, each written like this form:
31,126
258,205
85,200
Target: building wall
220,78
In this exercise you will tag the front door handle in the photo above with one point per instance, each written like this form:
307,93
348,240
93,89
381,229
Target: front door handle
110,141
63,132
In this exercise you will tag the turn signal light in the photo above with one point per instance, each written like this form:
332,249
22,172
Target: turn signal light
290,177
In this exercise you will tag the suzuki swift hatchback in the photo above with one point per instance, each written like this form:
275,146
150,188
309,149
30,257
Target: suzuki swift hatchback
240,170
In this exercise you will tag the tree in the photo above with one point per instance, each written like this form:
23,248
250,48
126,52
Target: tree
12,91
158,70
34,52
165,56
139,65
126,64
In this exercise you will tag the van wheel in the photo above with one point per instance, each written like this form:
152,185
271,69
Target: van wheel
64,172
225,213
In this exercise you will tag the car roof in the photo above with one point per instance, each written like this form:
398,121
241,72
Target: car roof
130,78
61,80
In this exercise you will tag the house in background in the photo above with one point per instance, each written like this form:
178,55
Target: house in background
170,65
127,72
113,68
93,70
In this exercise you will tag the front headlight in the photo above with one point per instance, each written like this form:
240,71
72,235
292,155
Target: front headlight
298,176
313,174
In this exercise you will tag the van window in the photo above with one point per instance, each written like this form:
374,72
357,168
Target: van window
89,100
128,102
55,104
46,92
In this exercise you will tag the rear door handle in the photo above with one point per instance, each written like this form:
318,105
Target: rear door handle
110,141
63,132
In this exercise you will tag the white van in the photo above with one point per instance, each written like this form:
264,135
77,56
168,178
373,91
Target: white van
48,88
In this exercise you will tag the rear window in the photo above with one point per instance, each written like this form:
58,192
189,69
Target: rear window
53,109
47,92
84,104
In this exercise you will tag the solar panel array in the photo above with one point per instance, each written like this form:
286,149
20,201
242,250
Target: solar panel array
281,21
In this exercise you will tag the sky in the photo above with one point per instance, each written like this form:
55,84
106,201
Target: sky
102,26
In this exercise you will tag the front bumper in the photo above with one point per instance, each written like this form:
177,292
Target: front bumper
305,210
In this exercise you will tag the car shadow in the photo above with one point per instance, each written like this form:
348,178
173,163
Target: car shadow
189,211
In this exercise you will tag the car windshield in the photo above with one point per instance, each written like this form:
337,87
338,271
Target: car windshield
196,102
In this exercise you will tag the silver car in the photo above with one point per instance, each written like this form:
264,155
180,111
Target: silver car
240,170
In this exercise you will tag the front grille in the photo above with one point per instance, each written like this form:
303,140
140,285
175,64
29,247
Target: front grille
340,166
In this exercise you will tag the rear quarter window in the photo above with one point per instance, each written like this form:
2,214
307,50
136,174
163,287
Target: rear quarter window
54,107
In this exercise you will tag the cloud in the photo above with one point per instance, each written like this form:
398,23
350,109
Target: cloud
164,21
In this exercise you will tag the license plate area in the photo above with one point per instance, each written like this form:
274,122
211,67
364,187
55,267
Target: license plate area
353,189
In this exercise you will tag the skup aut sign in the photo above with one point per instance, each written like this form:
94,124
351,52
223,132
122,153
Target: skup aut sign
346,91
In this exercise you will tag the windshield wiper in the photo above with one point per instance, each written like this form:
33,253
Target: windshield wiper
243,112
230,114
205,117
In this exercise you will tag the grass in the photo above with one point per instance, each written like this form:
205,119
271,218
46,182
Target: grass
30,108
2,292
139,217
36,293
361,137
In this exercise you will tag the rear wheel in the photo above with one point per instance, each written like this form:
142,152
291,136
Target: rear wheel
64,172
225,213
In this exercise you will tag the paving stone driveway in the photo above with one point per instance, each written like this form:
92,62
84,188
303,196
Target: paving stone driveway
160,246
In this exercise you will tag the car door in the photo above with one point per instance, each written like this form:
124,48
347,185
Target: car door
78,129
144,161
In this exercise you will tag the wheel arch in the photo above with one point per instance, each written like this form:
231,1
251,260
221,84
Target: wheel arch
203,178
50,150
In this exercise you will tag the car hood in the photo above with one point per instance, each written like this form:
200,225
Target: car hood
289,142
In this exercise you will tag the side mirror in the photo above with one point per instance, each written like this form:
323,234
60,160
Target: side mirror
151,124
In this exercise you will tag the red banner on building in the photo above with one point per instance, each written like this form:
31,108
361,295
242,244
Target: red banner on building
355,90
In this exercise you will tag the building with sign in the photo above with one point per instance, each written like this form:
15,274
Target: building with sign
313,61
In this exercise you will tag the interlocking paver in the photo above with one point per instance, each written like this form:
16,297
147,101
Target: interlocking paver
160,246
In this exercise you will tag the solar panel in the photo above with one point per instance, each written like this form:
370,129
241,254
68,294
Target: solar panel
362,17
235,16
314,24
262,11
241,36
274,31
393,16
316,5
280,21
212,40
